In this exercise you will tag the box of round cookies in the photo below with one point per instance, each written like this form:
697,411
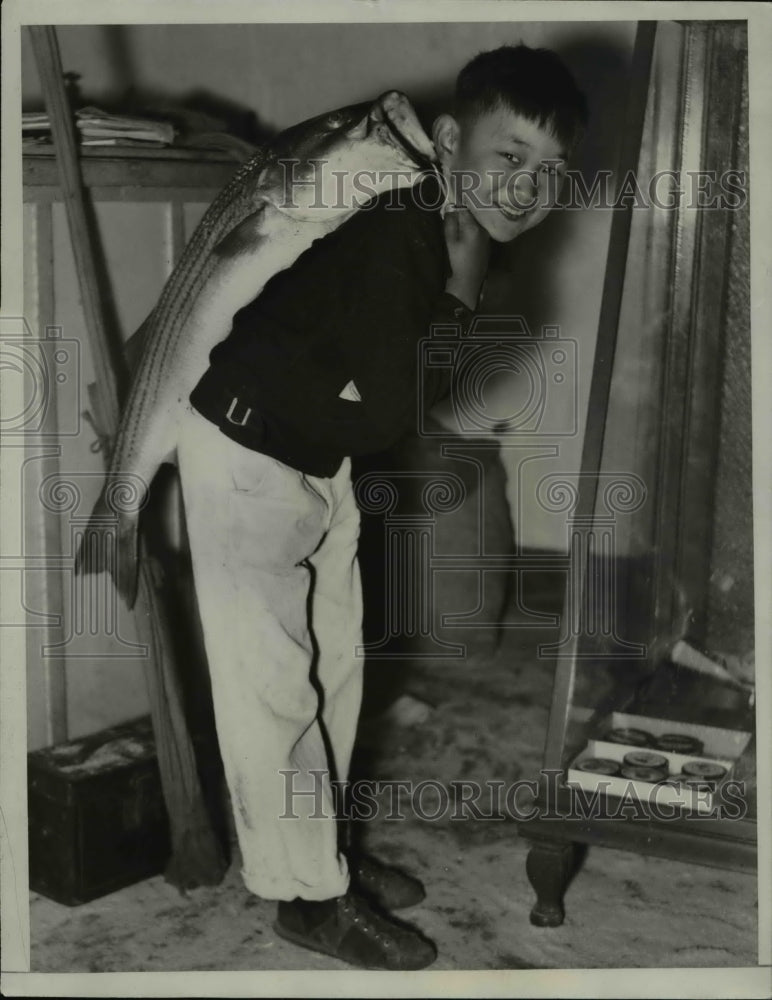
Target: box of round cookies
659,761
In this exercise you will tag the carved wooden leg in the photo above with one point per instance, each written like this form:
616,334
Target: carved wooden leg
549,865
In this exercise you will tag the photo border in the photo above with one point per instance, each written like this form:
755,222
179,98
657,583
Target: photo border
699,982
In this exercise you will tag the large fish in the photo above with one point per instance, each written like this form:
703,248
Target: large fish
307,182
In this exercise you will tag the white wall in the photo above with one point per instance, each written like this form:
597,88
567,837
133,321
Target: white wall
285,73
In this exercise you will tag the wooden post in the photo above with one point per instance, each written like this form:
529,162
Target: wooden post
600,387
197,857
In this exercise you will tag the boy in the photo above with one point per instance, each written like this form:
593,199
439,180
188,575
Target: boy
326,361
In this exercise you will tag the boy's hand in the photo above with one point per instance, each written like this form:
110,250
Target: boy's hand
468,249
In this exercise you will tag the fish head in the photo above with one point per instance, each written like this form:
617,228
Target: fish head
333,164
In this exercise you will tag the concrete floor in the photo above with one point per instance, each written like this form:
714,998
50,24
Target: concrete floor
487,721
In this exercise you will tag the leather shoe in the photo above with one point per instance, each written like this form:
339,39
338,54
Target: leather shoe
348,929
389,887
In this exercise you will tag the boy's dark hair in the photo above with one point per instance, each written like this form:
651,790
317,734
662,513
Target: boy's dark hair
532,82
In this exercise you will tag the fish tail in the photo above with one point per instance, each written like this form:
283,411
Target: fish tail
110,543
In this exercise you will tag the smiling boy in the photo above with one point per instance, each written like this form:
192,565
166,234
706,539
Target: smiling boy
326,360
517,118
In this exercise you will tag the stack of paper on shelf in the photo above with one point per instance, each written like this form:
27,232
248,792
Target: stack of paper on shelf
35,127
100,128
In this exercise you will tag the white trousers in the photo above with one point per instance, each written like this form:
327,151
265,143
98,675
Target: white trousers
275,567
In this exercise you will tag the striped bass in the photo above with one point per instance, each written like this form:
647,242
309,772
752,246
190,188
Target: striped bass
302,186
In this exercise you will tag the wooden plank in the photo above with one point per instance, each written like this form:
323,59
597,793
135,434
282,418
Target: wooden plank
670,609
644,333
684,493
600,388
106,356
197,858
47,150
692,841
41,526
157,195
136,173
613,284
701,426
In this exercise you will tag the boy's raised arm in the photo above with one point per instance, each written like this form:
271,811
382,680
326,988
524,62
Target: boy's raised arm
469,251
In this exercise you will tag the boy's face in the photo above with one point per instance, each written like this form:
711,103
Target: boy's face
506,169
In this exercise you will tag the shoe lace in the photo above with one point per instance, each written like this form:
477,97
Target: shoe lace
366,919
368,874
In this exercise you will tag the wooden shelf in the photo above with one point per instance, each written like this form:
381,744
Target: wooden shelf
716,843
128,167
133,152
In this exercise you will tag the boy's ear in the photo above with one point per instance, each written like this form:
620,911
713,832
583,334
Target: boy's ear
445,135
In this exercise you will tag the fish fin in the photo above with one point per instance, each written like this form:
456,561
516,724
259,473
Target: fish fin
135,345
245,236
110,544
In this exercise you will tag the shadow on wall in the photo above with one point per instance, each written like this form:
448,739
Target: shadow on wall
602,72
199,110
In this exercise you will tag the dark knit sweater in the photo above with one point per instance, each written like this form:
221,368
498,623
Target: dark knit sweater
354,306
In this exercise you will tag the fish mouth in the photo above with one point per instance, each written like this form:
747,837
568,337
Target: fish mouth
394,110
390,118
